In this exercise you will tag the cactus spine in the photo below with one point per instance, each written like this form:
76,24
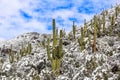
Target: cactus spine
74,29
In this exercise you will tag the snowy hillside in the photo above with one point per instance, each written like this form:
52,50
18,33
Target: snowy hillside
91,52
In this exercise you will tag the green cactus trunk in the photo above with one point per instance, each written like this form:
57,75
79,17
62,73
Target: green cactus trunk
29,48
103,19
74,29
54,34
85,28
11,55
95,34
112,24
48,49
60,44
89,38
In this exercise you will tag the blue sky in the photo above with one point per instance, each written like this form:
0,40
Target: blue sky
21,16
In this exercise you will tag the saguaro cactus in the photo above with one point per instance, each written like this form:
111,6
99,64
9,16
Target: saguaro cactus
85,28
74,29
89,37
116,11
81,40
95,34
29,48
103,19
48,49
112,24
60,45
11,55
54,33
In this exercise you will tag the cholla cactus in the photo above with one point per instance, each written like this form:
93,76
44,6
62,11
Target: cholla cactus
74,29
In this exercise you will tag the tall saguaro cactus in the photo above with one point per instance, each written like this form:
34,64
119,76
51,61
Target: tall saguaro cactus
74,29
85,28
48,49
116,11
60,44
54,33
95,34
11,55
81,40
112,24
29,48
103,19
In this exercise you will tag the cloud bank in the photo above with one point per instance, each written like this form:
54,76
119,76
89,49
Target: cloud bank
20,16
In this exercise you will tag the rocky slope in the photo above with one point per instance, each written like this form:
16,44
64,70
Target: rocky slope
104,64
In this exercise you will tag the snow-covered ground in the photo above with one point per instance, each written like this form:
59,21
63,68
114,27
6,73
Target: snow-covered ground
76,64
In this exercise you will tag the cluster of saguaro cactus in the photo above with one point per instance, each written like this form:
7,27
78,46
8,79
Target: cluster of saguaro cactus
57,51
74,29
24,51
